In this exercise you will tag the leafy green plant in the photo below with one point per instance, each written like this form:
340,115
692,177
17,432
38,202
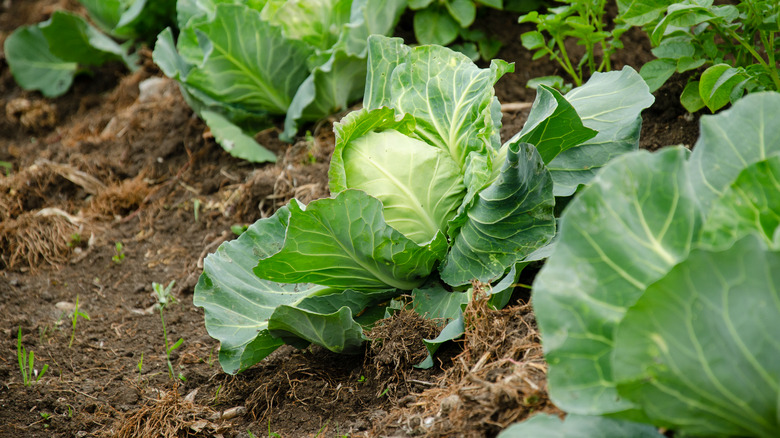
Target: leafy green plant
74,319
583,20
660,300
47,56
309,63
443,21
164,298
737,42
27,363
119,253
424,194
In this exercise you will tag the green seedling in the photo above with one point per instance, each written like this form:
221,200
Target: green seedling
74,241
238,229
271,434
196,209
7,166
76,314
119,255
140,365
27,363
164,297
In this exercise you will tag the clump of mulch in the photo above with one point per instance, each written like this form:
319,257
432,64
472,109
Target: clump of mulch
499,378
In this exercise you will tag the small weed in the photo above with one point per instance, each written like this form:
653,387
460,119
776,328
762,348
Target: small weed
119,255
362,379
74,320
45,416
238,229
74,241
7,166
140,365
27,363
384,393
164,297
216,395
271,434
196,208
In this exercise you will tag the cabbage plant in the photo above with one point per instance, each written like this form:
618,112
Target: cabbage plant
425,200
241,63
660,302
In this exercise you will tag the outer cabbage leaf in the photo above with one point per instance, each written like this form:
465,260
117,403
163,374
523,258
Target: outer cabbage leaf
71,38
578,426
315,22
509,220
231,72
751,204
553,125
450,97
237,303
609,103
699,350
344,242
234,140
732,140
33,65
634,222
641,12
131,19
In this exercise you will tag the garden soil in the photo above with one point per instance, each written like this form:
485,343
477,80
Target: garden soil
121,159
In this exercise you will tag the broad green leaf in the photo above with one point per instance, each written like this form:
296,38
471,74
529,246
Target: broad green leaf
578,426
679,15
344,242
167,58
750,205
508,220
674,48
609,103
71,38
732,140
384,55
717,83
105,13
463,11
434,25
450,97
33,65
435,302
699,350
237,303
231,73
234,140
690,97
453,330
328,89
657,72
336,331
315,22
634,222
641,12
553,125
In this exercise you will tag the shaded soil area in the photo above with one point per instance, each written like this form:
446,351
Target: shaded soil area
117,185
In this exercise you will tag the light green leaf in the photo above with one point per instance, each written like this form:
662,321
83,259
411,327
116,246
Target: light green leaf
105,13
716,84
463,11
657,72
336,331
238,303
234,140
609,103
71,38
578,426
553,125
33,65
450,97
344,242
690,97
699,350
328,90
509,220
453,330
435,302
641,12
230,71
434,25
732,140
419,185
384,55
315,22
634,222
750,205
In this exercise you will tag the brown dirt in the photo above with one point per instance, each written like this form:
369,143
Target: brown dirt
100,165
